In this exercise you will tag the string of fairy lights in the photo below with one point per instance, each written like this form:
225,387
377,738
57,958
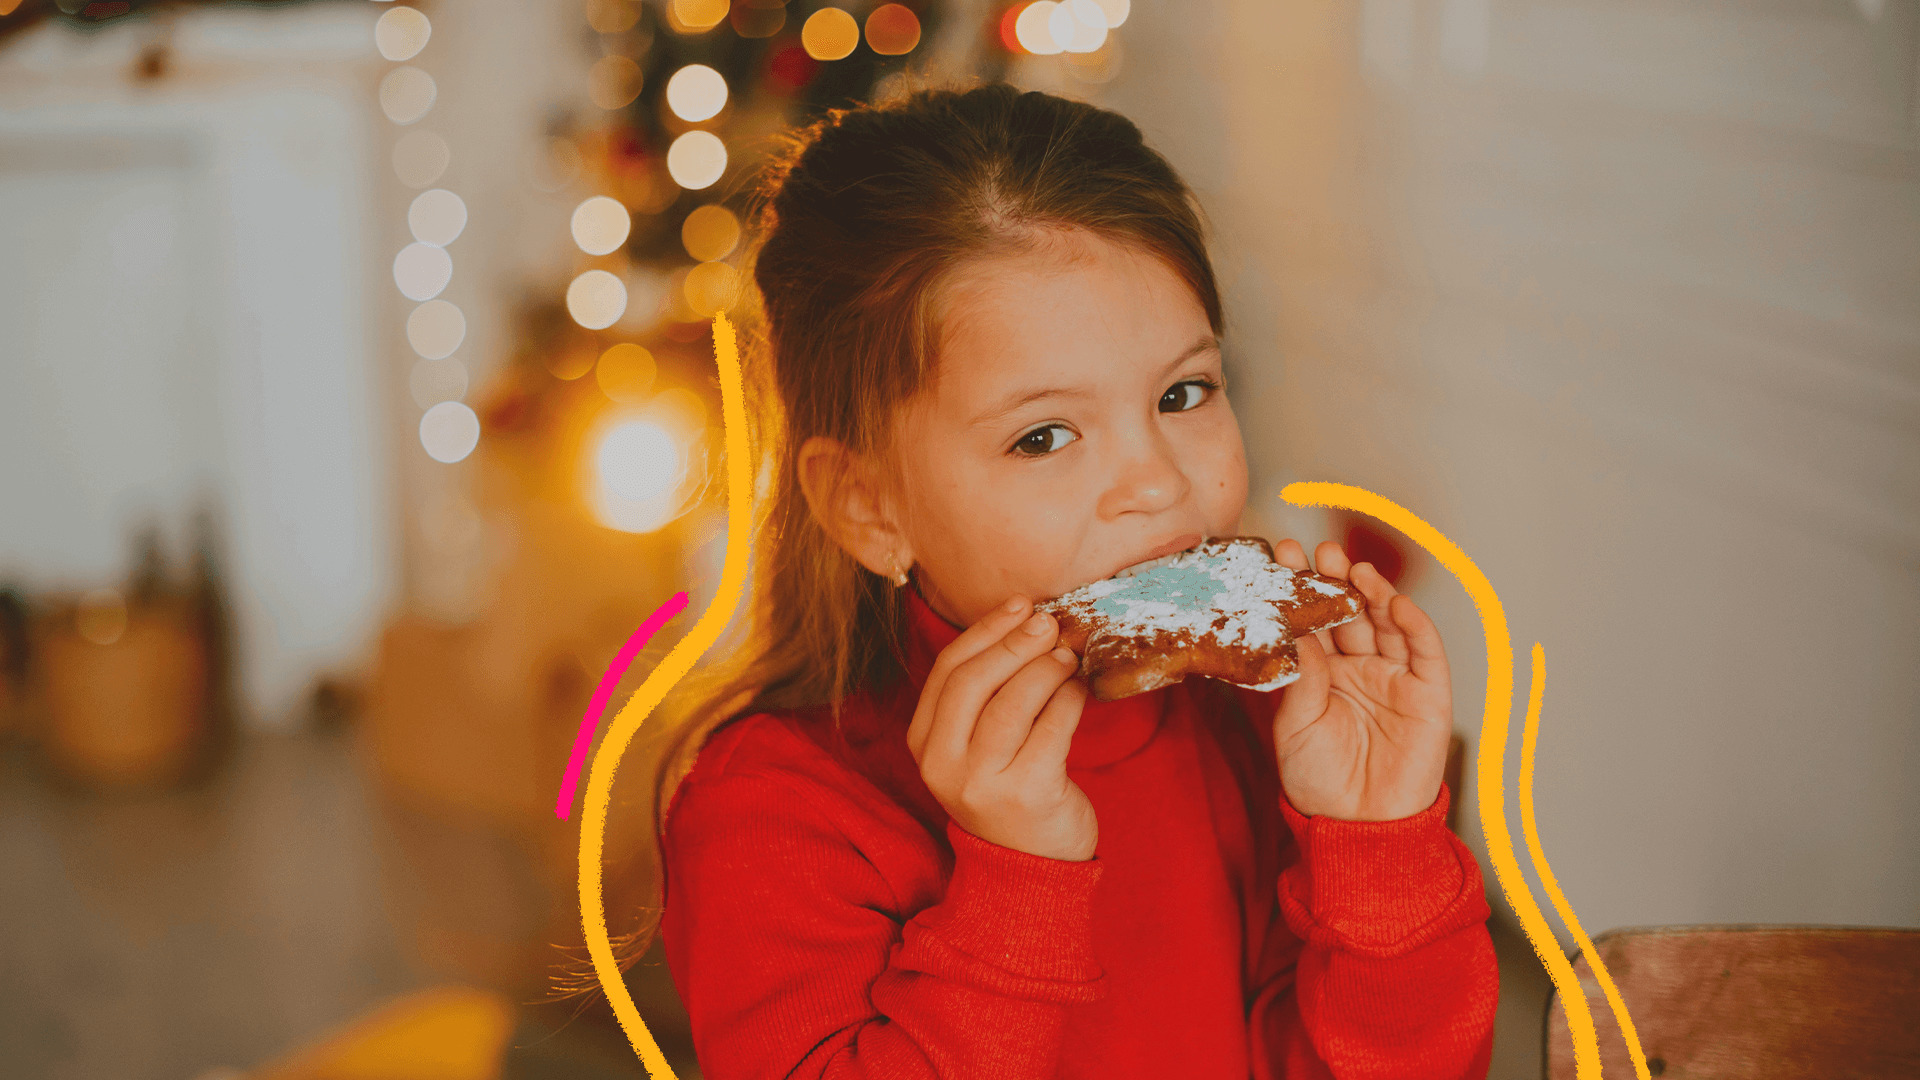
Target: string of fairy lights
449,429
637,460
625,283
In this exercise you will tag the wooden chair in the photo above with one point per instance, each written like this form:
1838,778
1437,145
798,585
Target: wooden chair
1737,1001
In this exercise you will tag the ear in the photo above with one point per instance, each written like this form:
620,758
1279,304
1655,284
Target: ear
851,502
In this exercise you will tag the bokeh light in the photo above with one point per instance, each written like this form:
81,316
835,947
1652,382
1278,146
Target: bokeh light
101,616
640,472
1116,11
612,16
698,15
571,361
711,287
596,299
614,81
449,431
601,225
758,22
789,68
422,271
697,159
1100,65
626,372
419,157
1032,28
436,328
892,30
434,381
830,34
710,232
1078,26
646,463
647,189
674,304
681,412
647,288
638,460
696,92
406,94
437,217
401,33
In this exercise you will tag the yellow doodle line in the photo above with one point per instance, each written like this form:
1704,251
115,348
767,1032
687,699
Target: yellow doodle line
1532,830
1493,733
1493,741
593,823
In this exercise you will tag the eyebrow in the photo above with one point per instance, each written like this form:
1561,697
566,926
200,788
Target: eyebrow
1028,397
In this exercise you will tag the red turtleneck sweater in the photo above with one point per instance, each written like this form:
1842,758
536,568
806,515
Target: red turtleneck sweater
825,918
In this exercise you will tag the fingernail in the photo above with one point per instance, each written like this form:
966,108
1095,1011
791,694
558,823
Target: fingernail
1036,625
1015,603
1065,656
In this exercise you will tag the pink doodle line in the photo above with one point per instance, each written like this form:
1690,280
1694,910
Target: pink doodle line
584,740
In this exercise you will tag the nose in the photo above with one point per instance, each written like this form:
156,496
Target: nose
1147,478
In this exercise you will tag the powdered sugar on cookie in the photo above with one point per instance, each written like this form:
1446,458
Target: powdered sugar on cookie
1224,606
1190,590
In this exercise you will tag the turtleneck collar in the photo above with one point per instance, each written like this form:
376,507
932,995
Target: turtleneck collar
1109,730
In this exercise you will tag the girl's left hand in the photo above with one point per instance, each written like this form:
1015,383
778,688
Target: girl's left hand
1362,735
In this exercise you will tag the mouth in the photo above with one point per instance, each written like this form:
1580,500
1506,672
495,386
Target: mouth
1171,547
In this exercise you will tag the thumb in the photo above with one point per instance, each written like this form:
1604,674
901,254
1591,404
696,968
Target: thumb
1302,702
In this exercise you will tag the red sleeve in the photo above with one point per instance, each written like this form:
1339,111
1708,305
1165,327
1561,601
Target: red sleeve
786,946
1388,971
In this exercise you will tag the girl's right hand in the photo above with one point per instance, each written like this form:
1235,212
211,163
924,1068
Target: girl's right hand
991,733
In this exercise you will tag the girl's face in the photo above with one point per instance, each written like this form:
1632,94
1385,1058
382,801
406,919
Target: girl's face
1076,425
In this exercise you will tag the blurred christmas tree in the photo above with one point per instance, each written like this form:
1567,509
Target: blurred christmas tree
690,96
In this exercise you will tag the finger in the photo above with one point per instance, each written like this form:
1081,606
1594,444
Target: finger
974,682
1389,640
1374,627
1008,718
1427,653
1052,735
986,630
1325,638
1330,559
1304,699
1290,554
1360,637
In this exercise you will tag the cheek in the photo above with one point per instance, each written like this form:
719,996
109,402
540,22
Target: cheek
1029,530
1022,519
1226,490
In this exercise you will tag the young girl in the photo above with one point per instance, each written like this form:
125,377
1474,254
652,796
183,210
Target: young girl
904,841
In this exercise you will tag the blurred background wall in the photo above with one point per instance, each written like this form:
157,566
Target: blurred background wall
187,309
1624,298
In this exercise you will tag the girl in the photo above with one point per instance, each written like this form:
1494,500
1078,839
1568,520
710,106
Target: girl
904,842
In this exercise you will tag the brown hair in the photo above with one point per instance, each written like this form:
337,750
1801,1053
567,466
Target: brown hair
858,219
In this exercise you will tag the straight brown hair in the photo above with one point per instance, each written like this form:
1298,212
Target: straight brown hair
858,220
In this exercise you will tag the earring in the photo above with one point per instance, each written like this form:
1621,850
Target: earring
897,575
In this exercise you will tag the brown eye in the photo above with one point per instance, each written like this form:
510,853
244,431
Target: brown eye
1177,394
1036,443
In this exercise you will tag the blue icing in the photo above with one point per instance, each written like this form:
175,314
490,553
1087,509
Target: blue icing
1181,586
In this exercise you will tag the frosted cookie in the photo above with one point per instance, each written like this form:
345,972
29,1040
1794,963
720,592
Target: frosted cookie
1222,608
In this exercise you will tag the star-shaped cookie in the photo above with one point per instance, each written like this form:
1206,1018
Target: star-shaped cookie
1222,608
